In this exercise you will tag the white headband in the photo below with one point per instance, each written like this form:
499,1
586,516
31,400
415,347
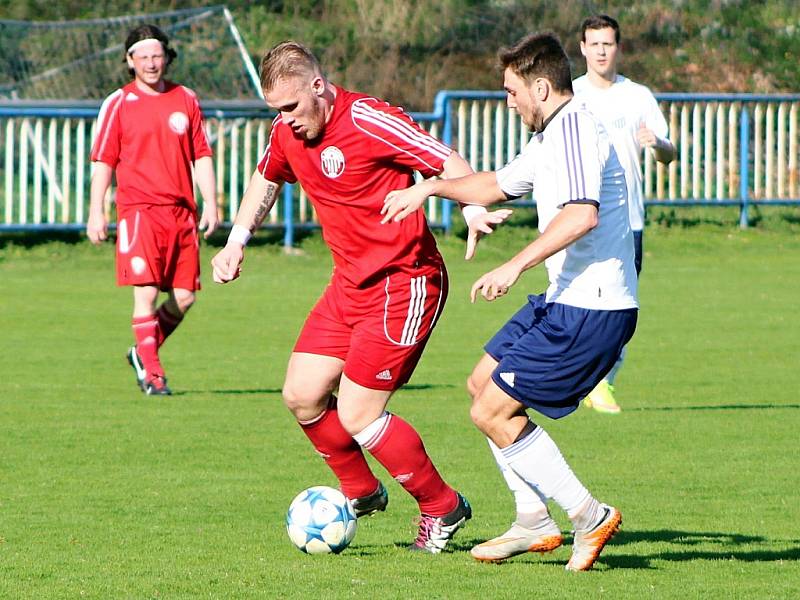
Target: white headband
140,43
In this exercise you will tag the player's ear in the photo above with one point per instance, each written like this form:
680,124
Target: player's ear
318,86
129,60
541,88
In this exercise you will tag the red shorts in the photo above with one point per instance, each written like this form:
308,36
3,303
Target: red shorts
158,245
379,331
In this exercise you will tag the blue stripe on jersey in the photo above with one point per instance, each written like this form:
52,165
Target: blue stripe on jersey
580,155
574,159
566,158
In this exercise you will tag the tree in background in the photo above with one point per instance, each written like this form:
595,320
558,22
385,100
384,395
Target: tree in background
407,50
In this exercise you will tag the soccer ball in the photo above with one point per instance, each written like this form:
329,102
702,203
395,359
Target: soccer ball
321,520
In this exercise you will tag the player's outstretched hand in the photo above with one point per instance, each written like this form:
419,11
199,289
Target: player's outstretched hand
483,223
97,228
495,283
209,220
646,137
401,203
226,263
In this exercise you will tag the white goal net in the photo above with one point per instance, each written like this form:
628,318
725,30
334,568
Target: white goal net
83,60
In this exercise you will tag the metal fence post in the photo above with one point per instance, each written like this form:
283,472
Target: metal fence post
744,166
288,215
447,138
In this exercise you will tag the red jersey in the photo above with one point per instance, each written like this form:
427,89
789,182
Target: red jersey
367,149
151,141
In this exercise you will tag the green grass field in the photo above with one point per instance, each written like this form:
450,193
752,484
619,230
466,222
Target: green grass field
106,493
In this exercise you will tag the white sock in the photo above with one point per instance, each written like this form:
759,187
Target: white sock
531,506
538,461
587,515
373,432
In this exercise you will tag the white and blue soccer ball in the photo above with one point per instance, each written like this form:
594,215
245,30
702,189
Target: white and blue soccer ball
321,520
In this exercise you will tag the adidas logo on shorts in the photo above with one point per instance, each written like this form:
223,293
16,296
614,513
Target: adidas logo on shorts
384,375
508,378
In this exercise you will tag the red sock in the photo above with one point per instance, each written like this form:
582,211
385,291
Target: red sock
400,449
167,322
342,453
145,330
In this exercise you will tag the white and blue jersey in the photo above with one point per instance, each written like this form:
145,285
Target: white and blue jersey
572,160
622,107
562,343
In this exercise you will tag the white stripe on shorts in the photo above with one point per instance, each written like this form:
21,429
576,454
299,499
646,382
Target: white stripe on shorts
416,309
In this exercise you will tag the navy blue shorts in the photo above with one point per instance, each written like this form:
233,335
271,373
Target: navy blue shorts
552,355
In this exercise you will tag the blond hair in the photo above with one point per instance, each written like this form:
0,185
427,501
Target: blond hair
287,59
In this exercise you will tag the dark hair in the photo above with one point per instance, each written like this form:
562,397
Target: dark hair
144,32
539,55
287,59
599,22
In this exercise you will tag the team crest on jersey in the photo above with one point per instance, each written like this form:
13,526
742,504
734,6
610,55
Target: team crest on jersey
178,122
332,161
138,264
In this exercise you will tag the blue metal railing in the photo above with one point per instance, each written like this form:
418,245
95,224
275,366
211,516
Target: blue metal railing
759,172
445,106
221,111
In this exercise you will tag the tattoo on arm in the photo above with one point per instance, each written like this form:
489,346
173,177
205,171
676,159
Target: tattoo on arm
270,195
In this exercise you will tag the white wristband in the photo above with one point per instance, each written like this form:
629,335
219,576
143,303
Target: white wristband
240,235
468,211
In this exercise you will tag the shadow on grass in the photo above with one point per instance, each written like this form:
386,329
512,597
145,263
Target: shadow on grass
714,407
686,538
684,548
233,392
693,217
427,386
31,239
723,217
793,219
228,392
75,235
266,236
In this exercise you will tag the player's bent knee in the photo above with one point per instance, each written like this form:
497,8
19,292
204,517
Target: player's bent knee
475,384
472,386
185,301
481,417
352,424
304,405
291,398
480,375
